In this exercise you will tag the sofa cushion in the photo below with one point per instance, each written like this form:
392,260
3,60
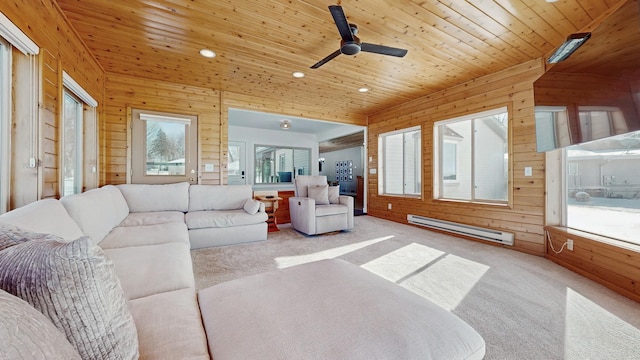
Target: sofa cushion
75,285
220,219
319,193
302,182
169,326
332,209
156,197
251,206
44,216
125,236
153,218
218,197
148,270
97,211
334,194
25,333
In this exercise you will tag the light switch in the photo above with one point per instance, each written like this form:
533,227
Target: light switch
208,167
528,171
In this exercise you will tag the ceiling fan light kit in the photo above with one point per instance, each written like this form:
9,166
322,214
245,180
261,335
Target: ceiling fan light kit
350,43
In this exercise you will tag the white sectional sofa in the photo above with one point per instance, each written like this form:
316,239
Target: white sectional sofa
329,309
143,230
216,216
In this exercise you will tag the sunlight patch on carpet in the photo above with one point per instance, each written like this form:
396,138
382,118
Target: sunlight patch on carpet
402,262
447,281
287,261
590,329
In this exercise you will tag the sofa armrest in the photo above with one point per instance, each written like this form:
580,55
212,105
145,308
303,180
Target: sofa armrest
348,201
303,214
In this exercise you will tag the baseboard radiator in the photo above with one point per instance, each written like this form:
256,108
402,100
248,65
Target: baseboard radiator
467,230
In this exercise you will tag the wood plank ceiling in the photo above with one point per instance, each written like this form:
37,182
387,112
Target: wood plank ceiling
260,43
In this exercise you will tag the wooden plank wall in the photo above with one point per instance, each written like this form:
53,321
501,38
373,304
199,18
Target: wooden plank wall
614,265
24,182
126,92
50,114
60,50
525,214
212,107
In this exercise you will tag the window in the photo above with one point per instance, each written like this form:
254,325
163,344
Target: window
79,143
5,121
280,164
450,161
71,144
400,165
603,187
471,157
165,148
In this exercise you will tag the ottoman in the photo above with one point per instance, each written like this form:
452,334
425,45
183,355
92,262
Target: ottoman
329,309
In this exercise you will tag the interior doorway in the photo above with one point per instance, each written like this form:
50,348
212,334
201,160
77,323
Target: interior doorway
342,161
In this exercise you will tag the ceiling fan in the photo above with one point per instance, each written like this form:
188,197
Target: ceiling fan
350,43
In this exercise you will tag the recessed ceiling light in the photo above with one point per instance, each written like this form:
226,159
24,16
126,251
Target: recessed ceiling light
207,53
552,1
363,89
298,74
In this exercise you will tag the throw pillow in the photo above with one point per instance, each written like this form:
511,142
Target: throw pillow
251,206
12,235
27,334
320,193
334,194
75,285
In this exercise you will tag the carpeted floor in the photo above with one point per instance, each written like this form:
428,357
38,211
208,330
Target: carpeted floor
524,306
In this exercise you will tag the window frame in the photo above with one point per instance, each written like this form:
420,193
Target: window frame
382,166
78,158
439,139
5,123
87,163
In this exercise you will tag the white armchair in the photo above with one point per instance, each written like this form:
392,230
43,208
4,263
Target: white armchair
319,208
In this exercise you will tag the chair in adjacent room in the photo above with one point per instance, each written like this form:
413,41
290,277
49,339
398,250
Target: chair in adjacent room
319,208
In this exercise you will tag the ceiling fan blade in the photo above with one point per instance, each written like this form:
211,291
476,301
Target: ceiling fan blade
341,22
384,50
326,60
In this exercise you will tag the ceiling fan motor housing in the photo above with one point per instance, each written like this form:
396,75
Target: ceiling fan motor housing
350,47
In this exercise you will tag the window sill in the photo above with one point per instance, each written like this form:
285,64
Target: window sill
583,235
481,203
417,197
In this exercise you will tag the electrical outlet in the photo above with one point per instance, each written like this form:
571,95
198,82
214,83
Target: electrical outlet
389,206
570,245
